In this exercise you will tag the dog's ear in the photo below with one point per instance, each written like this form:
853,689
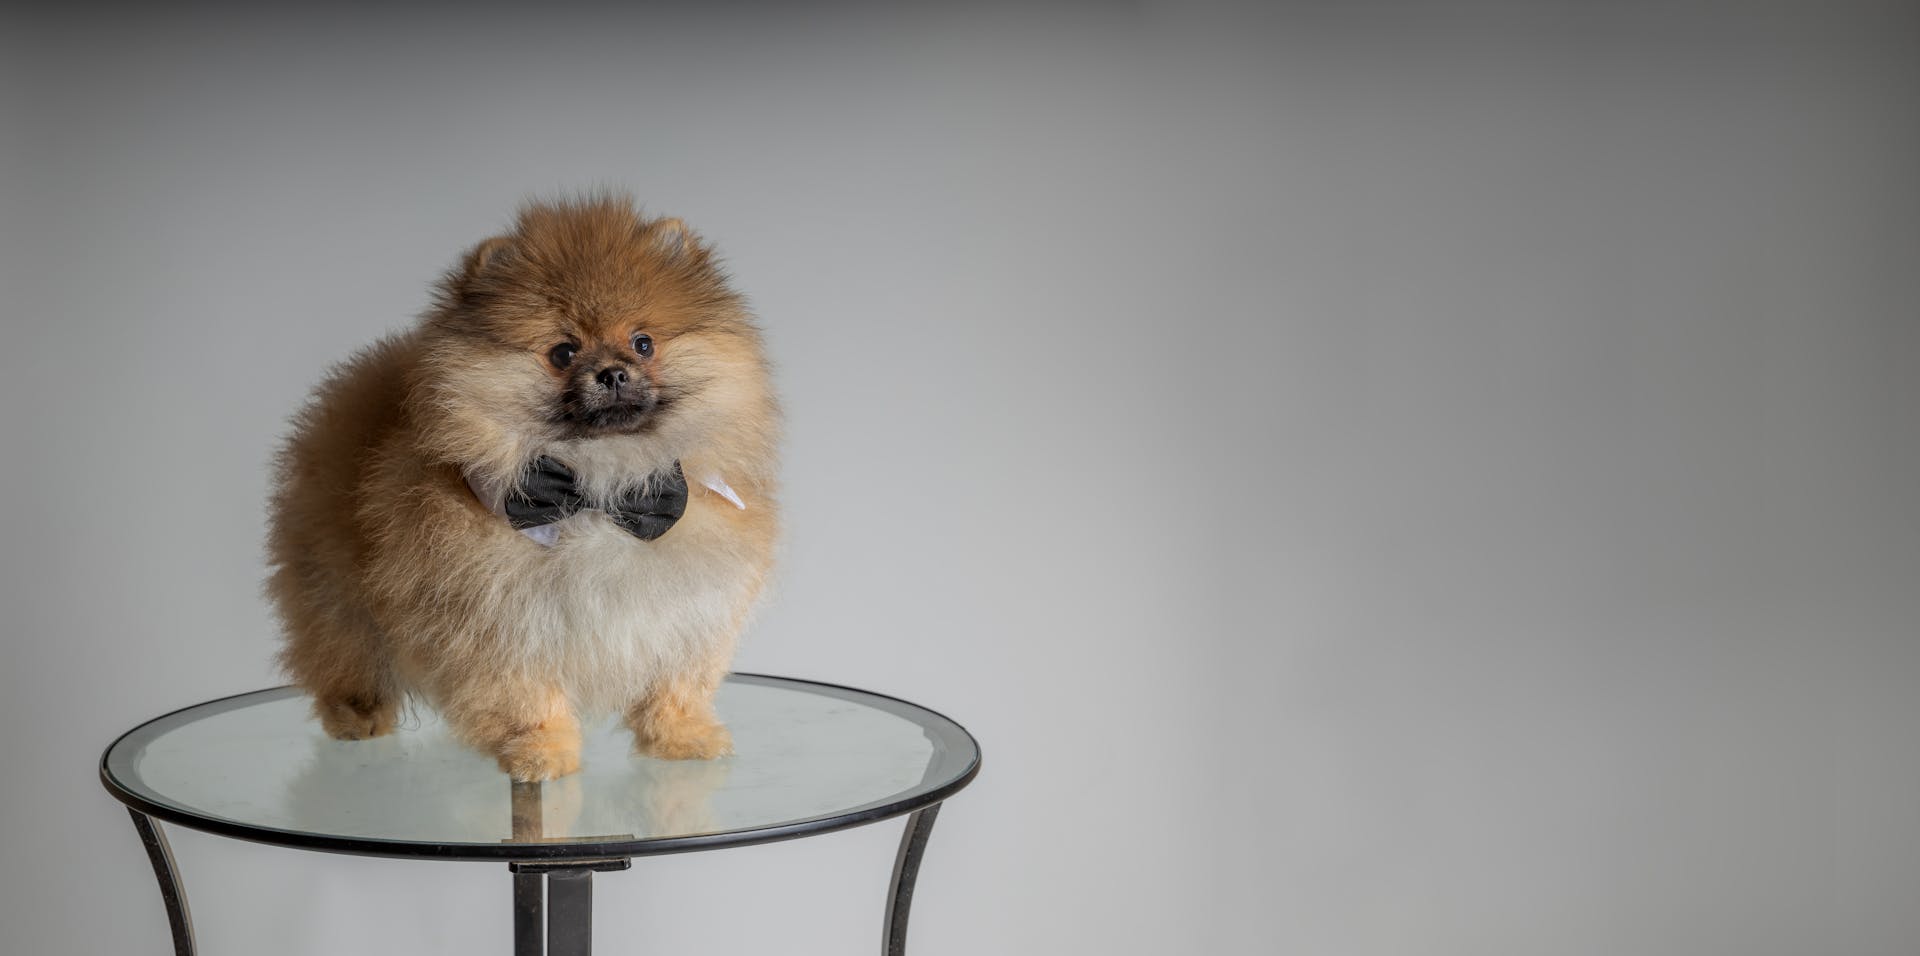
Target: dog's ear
672,237
486,257
469,282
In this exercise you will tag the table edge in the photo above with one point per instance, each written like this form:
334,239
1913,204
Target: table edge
534,852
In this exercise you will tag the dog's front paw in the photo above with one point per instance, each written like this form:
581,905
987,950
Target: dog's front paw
356,717
685,740
541,754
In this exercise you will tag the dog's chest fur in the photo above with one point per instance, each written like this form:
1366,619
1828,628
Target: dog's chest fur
604,613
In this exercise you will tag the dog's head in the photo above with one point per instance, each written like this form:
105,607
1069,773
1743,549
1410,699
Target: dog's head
588,331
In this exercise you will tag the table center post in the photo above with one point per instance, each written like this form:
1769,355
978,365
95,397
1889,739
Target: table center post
552,901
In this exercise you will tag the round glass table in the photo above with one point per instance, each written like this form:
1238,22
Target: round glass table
808,758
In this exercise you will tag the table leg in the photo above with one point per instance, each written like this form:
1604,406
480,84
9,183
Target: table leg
906,866
562,924
171,892
529,914
570,913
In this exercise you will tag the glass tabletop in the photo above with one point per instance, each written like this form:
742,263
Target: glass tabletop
808,758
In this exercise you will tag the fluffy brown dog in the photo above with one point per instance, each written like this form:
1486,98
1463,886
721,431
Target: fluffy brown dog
588,337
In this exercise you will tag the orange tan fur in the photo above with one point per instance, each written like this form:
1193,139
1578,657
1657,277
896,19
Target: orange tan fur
392,579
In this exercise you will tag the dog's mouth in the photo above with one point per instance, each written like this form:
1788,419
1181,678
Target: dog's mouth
610,416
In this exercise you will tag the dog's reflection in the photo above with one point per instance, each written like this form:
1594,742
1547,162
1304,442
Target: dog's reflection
418,784
658,797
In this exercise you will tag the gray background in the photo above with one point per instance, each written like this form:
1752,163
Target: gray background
1377,479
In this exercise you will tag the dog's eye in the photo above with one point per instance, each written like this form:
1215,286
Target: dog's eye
643,344
562,355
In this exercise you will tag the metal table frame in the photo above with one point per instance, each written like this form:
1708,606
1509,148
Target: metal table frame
552,883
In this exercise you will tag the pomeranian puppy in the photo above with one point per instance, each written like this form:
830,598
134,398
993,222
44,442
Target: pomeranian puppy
553,497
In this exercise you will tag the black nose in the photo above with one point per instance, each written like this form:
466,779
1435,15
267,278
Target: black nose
612,377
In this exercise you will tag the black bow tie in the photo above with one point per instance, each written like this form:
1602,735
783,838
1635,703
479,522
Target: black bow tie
550,493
